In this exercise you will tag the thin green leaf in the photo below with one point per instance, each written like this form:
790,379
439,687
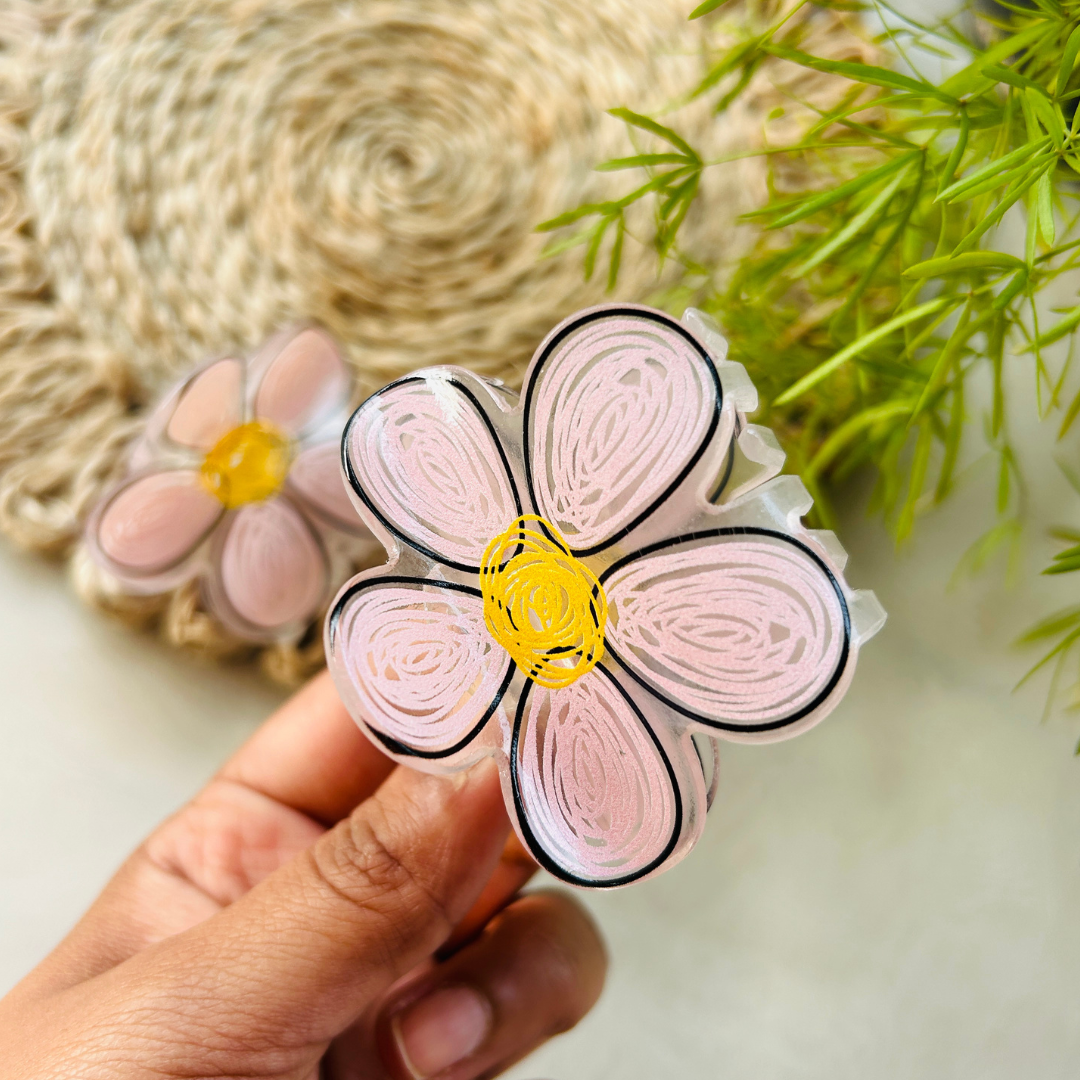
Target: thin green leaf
594,246
1061,646
1070,415
706,7
684,198
1066,566
646,123
842,191
999,73
1044,201
570,216
1071,553
969,80
1017,283
957,264
687,189
850,430
657,183
979,554
736,58
995,349
1051,626
882,253
992,183
642,161
945,359
565,243
1004,484
953,435
864,73
1068,60
749,70
1015,191
920,461
616,255
1056,332
992,168
609,208
824,370
874,209
1031,121
956,155
1049,116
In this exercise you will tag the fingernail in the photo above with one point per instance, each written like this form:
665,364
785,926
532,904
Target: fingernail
441,1029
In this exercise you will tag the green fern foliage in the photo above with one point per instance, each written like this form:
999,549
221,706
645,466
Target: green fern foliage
870,298
907,268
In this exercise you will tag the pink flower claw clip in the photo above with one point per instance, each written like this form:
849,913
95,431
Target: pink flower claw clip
583,579
237,480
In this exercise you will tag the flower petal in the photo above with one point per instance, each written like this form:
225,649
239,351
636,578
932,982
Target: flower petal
595,792
620,403
303,381
155,521
743,629
424,458
273,572
316,477
208,406
416,662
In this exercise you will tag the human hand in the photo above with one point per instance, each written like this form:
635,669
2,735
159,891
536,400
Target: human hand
311,914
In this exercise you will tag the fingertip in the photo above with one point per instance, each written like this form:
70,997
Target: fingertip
555,926
537,970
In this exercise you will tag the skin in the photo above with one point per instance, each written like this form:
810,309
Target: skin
312,914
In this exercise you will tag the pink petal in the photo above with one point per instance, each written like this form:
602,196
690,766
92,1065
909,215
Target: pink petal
617,409
431,468
737,630
208,407
302,383
421,665
153,522
600,806
316,476
273,572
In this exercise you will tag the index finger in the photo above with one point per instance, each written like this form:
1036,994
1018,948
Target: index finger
311,756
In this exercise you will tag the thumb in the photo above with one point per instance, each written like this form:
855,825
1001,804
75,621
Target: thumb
300,956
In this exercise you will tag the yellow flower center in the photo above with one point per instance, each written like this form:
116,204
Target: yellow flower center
247,464
543,606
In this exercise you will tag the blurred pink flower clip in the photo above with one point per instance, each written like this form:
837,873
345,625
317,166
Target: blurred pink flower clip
236,480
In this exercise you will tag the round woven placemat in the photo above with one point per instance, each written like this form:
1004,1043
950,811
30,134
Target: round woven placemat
179,178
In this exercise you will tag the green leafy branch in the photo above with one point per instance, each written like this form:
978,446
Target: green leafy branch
879,283
674,180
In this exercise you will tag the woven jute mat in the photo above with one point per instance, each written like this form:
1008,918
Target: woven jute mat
178,178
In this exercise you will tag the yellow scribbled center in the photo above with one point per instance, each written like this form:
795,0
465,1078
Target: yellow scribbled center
545,608
247,464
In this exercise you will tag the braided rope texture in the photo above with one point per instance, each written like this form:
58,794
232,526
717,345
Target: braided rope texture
179,178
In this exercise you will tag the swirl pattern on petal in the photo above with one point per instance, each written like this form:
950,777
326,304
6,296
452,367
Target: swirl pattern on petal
736,629
427,463
421,663
595,791
619,407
